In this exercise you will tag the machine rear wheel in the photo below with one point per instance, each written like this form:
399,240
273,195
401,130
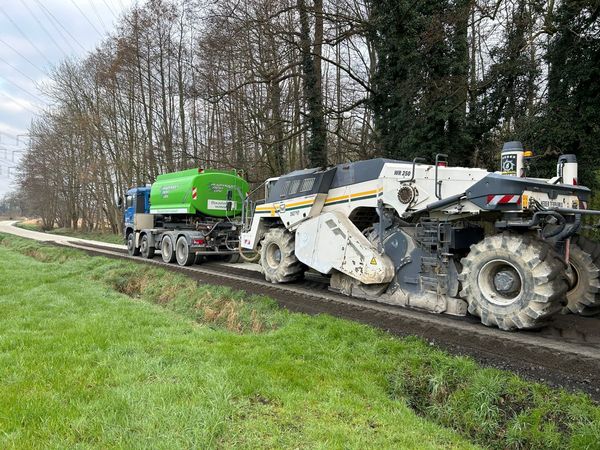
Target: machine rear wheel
183,254
146,249
278,259
583,276
131,248
167,250
513,281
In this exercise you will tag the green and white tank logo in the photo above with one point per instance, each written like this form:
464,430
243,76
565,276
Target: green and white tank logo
165,190
221,187
220,205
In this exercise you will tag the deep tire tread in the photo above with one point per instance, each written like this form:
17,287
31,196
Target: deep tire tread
549,282
290,269
585,300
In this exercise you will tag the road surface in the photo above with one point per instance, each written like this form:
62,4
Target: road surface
9,227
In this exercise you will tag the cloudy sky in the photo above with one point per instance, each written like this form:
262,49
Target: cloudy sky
34,36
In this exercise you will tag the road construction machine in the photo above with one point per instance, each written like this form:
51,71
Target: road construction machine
499,245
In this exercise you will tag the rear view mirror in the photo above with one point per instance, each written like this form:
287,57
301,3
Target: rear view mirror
119,201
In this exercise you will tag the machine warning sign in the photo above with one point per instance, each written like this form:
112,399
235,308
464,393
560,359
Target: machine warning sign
509,164
373,261
220,205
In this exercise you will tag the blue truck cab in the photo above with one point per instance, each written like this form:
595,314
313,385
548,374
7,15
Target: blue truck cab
137,201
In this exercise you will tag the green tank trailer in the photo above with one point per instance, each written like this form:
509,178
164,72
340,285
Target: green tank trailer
198,191
186,216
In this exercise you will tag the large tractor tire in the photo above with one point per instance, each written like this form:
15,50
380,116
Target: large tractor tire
513,281
583,275
278,259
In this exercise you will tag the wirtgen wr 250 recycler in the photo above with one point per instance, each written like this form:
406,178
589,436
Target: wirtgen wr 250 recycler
503,247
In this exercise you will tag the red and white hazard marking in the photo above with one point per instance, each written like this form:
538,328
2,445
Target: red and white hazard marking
494,200
194,194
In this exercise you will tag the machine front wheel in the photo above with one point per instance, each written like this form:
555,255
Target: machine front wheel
278,259
513,281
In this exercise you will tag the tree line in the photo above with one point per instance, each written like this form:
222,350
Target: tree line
269,86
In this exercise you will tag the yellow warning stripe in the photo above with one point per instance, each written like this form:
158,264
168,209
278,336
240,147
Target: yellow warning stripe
333,199
361,194
353,196
271,206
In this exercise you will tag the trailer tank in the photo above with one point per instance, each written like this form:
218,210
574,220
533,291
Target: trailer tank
198,191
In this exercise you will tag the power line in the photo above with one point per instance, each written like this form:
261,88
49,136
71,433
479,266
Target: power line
22,89
109,8
56,21
44,29
16,100
24,35
17,70
22,56
98,16
86,17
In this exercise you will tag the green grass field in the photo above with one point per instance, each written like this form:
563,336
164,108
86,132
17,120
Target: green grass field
98,353
92,235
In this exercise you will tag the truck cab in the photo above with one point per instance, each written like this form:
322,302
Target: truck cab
137,201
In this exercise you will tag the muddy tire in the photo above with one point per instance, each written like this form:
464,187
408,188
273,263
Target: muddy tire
167,250
513,281
132,250
583,276
278,259
182,252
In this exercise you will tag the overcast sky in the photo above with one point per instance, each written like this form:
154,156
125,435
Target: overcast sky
34,36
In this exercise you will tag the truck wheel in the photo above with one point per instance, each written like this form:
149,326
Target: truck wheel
131,248
167,250
145,249
583,276
513,281
278,259
182,252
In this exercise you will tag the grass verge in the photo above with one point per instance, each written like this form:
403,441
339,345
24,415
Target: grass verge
91,235
104,353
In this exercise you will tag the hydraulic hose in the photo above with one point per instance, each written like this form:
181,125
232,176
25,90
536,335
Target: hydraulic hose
250,259
567,232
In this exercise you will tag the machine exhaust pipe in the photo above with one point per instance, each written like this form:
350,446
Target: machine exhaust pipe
566,169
